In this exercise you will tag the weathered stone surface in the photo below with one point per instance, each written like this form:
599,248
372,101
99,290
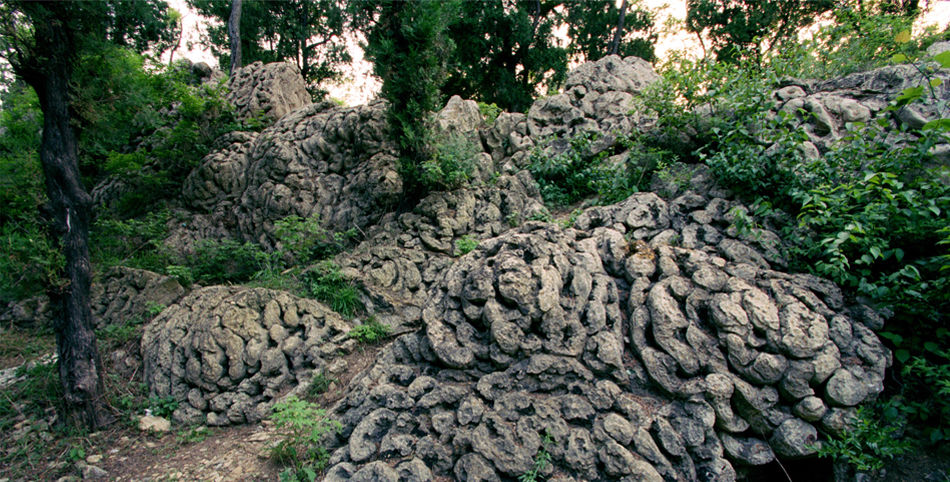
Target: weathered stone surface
228,351
650,340
271,90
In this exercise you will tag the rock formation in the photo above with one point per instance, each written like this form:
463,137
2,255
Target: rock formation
649,340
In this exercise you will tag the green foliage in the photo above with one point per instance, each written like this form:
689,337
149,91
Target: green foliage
192,435
119,333
302,427
320,384
576,171
326,282
593,24
308,33
408,46
224,261
489,111
863,36
541,461
464,245
452,161
305,240
926,395
371,332
868,444
134,242
162,406
37,392
505,52
741,28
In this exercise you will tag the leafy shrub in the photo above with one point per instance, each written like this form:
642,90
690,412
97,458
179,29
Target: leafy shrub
225,261
576,172
868,444
926,395
371,332
135,242
541,461
320,384
464,245
162,406
305,240
489,111
325,282
452,162
302,427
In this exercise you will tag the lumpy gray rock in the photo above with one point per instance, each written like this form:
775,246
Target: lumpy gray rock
229,351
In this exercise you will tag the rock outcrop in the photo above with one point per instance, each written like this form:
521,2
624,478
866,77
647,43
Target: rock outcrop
227,352
648,340
269,90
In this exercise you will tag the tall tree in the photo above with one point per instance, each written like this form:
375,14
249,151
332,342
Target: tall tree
506,51
598,28
308,33
41,40
406,41
748,28
234,35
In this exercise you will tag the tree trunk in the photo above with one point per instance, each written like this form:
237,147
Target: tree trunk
70,207
615,44
234,33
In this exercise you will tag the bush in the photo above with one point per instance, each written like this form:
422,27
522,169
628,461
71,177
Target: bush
304,240
452,163
371,332
225,261
575,172
868,444
464,245
302,427
325,282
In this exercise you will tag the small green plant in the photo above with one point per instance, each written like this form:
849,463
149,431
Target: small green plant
153,309
868,444
513,219
302,428
541,461
226,261
181,273
571,219
452,161
192,435
542,215
305,239
76,454
489,111
121,332
464,245
371,332
320,384
326,282
162,406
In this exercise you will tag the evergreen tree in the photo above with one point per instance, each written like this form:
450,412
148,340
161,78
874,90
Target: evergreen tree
599,27
506,51
308,33
744,28
408,45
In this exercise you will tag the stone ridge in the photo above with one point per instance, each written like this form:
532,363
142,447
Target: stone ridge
650,340
638,349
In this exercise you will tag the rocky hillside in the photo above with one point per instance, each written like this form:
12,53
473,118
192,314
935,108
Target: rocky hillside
646,340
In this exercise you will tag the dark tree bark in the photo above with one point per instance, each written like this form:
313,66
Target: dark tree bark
615,44
234,33
70,207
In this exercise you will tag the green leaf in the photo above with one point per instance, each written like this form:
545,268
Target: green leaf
931,346
899,58
894,337
935,82
902,37
943,58
942,124
902,355
875,251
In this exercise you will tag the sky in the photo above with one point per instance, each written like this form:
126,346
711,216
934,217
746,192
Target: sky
359,85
